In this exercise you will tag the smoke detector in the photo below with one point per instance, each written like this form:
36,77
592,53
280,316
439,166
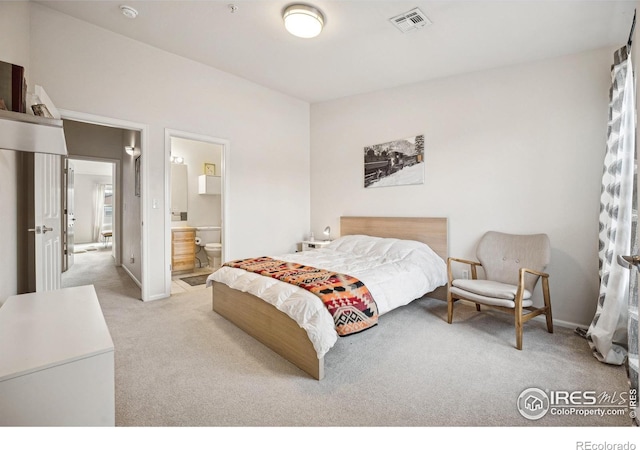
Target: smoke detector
128,12
410,21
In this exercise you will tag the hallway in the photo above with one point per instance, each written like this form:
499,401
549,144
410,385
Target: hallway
97,267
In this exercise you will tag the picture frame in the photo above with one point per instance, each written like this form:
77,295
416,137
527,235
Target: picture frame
209,169
41,110
137,176
395,163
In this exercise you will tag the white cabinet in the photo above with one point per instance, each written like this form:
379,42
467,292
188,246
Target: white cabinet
209,184
56,360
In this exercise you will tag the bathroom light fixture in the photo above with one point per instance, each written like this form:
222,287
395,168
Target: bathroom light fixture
177,159
128,12
327,233
303,20
129,149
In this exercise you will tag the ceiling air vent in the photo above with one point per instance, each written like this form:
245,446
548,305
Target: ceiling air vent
410,21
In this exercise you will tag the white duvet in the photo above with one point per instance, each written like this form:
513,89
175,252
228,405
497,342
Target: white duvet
395,271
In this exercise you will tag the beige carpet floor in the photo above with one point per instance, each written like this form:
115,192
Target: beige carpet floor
179,364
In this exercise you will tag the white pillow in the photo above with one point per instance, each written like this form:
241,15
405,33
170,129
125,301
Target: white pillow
388,248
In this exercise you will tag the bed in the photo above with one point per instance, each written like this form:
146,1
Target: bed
254,302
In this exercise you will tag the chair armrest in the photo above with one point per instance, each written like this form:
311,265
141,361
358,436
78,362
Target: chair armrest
533,272
473,264
520,292
464,261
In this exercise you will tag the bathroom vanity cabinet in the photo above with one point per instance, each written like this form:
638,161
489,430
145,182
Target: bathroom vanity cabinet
183,249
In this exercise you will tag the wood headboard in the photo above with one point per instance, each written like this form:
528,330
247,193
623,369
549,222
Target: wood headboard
430,230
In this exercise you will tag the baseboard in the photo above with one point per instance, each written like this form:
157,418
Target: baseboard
157,297
132,276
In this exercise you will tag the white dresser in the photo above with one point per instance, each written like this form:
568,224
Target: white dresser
56,360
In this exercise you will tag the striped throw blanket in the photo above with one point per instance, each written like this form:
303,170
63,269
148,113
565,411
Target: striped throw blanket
346,298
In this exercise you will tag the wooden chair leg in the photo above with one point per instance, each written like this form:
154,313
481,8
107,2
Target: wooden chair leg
547,304
519,332
449,307
518,320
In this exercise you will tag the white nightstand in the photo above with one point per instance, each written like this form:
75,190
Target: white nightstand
310,245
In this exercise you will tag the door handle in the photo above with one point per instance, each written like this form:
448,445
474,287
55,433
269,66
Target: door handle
40,229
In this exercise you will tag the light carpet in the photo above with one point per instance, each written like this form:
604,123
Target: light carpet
180,364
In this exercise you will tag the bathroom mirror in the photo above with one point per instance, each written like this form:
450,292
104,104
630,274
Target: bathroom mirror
179,203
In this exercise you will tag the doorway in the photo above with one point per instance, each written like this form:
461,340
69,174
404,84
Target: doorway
96,139
198,235
90,215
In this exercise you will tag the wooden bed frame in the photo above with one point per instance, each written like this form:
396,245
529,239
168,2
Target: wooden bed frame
282,334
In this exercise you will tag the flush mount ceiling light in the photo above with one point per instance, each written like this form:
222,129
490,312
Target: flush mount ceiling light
303,21
128,12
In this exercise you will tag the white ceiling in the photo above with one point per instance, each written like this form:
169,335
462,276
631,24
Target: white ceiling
359,50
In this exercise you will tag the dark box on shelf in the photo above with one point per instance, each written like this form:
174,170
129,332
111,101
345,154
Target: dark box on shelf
13,88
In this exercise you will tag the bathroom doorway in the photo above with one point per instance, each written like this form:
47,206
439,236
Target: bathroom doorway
197,190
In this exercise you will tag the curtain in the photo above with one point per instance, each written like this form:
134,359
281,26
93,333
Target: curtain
613,333
98,212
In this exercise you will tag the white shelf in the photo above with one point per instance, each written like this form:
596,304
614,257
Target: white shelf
27,133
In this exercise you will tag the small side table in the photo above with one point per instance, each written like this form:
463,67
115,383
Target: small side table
311,245
106,237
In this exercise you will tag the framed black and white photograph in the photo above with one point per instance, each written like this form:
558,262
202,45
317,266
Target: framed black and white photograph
395,163
137,176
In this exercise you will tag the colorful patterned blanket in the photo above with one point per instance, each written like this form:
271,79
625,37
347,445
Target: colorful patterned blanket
348,300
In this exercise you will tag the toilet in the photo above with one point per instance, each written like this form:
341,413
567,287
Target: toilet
211,237
214,253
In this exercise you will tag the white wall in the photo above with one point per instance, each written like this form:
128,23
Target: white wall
518,149
88,69
8,199
14,48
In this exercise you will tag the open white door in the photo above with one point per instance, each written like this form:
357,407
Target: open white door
48,221
68,230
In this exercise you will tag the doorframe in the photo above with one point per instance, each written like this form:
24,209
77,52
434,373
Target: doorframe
143,129
225,235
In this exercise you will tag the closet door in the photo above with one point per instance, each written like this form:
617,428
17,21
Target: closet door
48,221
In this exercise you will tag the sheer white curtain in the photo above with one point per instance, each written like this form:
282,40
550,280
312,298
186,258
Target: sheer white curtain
98,213
608,334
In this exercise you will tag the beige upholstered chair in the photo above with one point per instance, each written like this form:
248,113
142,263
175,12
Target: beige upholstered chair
512,265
